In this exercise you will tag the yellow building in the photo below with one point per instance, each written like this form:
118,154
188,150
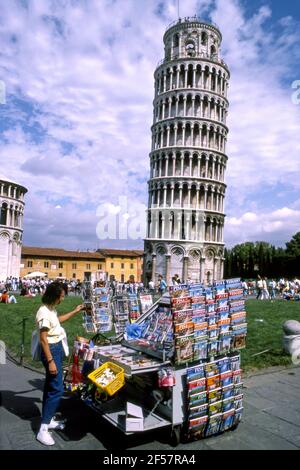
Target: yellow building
123,265
120,265
58,263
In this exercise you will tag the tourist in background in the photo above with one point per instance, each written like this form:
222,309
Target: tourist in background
162,285
259,286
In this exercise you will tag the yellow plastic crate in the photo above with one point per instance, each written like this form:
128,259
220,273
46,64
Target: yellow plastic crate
115,385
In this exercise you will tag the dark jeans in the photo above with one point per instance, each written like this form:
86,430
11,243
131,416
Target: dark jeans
53,388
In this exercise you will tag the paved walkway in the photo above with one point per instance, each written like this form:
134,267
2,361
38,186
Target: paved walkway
271,418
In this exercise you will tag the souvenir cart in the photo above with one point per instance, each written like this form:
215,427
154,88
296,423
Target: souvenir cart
178,365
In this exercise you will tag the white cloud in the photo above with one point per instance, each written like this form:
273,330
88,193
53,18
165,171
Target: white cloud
85,70
276,227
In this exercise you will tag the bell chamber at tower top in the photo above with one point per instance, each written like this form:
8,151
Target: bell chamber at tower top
192,38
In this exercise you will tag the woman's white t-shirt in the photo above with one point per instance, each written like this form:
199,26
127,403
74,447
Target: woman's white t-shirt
46,318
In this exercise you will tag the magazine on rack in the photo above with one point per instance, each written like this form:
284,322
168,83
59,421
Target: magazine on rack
211,368
213,424
183,329
227,392
194,373
227,420
183,316
239,341
198,399
184,349
215,408
183,303
200,349
198,411
182,290
214,395
213,382
197,427
228,404
200,331
196,386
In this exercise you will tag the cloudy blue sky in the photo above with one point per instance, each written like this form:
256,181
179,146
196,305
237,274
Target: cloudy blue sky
75,128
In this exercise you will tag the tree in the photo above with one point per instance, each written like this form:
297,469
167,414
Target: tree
293,247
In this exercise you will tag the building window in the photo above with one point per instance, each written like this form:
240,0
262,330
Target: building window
3,218
111,265
60,274
99,267
88,266
46,264
122,278
60,265
74,275
122,265
131,266
29,264
74,265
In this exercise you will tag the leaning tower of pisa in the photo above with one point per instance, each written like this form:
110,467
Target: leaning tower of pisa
188,159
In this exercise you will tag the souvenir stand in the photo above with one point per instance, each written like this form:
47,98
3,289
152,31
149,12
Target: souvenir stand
178,365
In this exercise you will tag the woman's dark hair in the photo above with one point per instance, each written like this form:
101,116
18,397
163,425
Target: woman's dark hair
52,293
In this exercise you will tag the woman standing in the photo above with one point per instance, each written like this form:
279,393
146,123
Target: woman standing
54,347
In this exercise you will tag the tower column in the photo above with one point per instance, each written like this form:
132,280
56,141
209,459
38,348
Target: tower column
168,136
175,135
191,163
168,259
185,268
177,79
154,267
172,195
174,163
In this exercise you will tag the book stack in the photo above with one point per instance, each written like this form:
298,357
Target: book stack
215,398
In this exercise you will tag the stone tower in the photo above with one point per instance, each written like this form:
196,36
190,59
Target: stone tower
188,159
11,227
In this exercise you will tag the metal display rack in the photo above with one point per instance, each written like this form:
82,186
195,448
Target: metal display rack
166,405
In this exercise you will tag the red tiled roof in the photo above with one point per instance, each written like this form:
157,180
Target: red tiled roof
123,253
60,253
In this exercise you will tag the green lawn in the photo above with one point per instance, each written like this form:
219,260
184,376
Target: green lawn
261,335
12,314
267,334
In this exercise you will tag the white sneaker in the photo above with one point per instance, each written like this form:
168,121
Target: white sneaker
45,438
58,425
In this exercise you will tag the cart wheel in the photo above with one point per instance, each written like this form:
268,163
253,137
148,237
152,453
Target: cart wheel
175,436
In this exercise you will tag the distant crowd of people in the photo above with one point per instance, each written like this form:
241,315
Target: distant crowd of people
32,287
261,288
270,289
